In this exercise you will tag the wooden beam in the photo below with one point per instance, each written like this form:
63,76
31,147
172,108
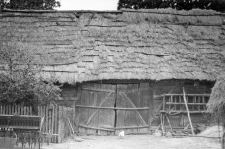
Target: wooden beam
188,113
187,95
158,97
182,111
114,128
98,90
131,127
111,108
172,103
96,128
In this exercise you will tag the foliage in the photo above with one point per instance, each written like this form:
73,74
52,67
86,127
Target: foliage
30,4
19,81
218,5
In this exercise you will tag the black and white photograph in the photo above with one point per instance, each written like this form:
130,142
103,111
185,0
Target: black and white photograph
112,74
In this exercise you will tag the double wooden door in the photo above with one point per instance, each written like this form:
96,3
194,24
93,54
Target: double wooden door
106,109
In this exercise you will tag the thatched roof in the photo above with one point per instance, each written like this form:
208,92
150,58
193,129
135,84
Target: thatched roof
216,102
158,44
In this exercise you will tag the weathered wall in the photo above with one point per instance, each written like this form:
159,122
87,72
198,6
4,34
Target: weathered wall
72,94
158,44
176,87
69,95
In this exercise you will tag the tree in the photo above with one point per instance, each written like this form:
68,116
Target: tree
30,4
218,5
20,81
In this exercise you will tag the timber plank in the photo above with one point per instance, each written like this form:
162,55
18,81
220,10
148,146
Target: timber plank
133,96
120,121
83,112
140,117
109,115
52,121
102,113
45,122
113,108
96,117
93,102
111,119
90,95
151,105
86,102
144,100
60,123
98,102
47,118
135,99
101,104
10,112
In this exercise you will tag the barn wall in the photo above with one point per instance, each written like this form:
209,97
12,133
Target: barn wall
69,95
176,87
72,93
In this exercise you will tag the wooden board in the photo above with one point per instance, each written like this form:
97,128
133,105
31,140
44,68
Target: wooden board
132,96
114,107
97,95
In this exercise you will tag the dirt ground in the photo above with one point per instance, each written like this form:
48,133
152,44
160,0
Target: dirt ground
137,142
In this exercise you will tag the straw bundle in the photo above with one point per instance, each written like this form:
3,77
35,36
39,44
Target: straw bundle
155,44
216,102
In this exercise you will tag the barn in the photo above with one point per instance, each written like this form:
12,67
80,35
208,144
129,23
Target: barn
125,70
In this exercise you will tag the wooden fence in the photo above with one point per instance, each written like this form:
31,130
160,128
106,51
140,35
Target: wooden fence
59,122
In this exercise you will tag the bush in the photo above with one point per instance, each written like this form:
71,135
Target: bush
30,4
20,81
218,5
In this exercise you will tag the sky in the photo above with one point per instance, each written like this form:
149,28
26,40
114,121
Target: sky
88,5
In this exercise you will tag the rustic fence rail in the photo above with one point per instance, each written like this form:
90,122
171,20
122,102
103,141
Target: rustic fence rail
59,122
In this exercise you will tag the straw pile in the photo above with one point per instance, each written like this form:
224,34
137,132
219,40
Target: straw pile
212,131
212,134
216,102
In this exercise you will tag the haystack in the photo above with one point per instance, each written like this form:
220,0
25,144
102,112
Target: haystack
216,103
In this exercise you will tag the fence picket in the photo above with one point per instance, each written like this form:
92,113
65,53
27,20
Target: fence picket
6,109
1,109
56,122
55,118
52,123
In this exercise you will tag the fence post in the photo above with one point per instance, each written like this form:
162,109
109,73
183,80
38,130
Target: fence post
60,125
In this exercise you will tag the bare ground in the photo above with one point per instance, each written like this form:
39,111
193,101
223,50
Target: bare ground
136,142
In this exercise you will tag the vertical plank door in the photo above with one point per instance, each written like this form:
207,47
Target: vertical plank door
132,108
96,109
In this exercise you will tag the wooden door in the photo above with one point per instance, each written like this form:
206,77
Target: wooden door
132,104
96,109
106,109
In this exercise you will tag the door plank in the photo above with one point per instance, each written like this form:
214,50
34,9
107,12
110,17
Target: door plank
92,117
106,117
91,111
120,119
140,117
104,100
145,99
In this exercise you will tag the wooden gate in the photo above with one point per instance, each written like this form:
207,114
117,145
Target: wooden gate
132,106
106,109
96,113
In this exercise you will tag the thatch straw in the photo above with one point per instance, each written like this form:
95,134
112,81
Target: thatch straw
155,44
216,102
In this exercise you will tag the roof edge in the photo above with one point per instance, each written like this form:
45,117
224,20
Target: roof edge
193,12
61,11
